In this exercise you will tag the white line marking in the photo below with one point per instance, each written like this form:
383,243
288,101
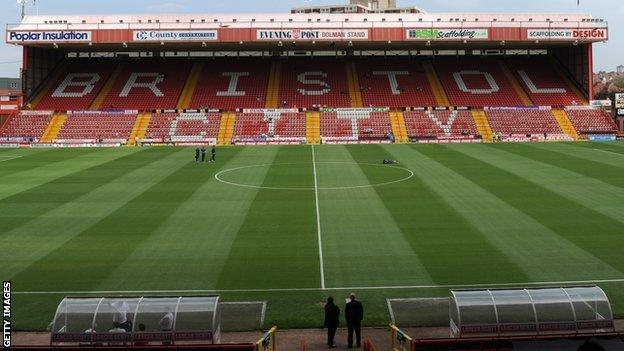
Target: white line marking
611,152
9,158
218,176
318,221
353,288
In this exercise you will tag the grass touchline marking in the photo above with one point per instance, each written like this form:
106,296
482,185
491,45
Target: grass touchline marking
398,287
9,158
318,220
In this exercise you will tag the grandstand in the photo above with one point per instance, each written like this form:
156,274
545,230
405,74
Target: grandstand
381,209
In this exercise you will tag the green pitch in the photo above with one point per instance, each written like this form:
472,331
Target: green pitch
152,221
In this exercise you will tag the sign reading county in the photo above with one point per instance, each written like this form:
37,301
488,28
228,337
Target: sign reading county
316,34
447,34
568,34
174,35
48,36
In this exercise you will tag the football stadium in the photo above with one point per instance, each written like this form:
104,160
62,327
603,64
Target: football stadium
207,181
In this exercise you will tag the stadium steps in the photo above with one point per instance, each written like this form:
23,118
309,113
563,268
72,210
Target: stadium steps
483,125
353,83
564,123
53,129
398,127
99,99
189,87
582,99
226,129
273,88
436,85
140,128
515,84
313,127
50,82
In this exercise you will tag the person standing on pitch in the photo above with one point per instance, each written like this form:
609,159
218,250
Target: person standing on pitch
213,156
332,314
196,154
203,154
354,313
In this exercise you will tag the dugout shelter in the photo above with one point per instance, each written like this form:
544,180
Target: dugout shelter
531,312
136,320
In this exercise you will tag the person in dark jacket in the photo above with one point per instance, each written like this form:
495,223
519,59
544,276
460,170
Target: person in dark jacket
196,154
354,313
203,154
332,314
213,154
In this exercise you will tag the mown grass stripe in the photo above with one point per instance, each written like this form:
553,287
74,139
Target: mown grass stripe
451,248
362,243
17,182
26,244
538,251
32,158
88,258
27,205
587,167
590,192
189,250
277,238
584,154
597,235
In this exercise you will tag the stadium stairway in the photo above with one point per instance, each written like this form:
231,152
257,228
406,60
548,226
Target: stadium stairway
226,128
436,85
515,84
564,123
140,128
275,76
353,83
97,102
50,82
313,127
54,127
189,88
397,119
483,125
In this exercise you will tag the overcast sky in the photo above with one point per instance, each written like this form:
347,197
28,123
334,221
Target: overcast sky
606,56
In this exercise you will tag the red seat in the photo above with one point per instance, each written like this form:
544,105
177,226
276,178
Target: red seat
314,82
184,127
93,125
394,83
588,121
231,84
476,82
440,124
25,126
523,121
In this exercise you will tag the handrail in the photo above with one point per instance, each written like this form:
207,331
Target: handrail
267,342
400,340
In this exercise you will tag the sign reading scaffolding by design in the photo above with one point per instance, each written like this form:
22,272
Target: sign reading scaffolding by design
310,35
448,34
568,34
174,35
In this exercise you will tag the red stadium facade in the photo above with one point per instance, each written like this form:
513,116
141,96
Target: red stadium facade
297,78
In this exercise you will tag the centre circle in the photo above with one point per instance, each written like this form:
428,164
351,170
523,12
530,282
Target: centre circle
318,176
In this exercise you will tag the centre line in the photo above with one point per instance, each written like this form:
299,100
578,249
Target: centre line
318,221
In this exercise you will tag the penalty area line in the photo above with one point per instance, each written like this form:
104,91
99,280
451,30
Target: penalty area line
353,288
8,158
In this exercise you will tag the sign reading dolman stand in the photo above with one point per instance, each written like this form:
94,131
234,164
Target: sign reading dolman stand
447,34
57,36
313,34
174,35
